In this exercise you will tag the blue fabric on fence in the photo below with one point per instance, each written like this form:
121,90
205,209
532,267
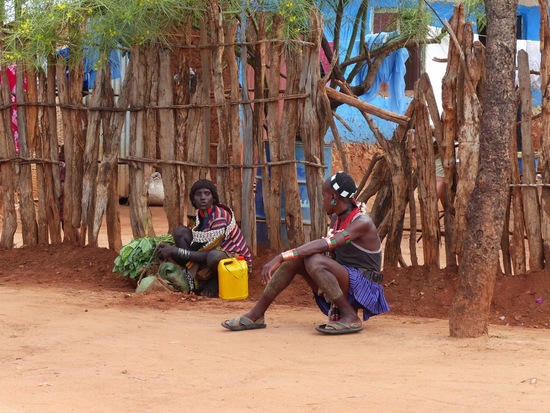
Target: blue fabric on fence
90,59
91,55
392,71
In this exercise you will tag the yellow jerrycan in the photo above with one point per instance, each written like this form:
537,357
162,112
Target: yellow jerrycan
233,279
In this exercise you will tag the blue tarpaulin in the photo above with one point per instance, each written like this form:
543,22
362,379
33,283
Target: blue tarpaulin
91,56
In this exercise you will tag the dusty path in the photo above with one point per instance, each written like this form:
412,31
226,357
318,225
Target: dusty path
76,351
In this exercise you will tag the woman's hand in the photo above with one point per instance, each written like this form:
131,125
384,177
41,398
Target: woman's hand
165,251
269,268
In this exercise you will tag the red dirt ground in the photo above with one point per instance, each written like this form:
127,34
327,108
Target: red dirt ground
415,291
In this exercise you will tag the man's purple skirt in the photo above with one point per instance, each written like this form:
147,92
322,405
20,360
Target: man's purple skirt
363,294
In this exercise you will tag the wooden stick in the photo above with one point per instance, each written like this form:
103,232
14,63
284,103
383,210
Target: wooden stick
366,107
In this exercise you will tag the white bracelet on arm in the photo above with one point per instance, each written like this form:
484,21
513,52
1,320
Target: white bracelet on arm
184,254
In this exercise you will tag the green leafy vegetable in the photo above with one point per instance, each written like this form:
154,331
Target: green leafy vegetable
138,254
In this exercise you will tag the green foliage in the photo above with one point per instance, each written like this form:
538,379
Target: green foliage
475,10
139,254
295,14
40,28
413,21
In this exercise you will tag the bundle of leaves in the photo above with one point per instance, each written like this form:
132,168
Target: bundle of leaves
139,255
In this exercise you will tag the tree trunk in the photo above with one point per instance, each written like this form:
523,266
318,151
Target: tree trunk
486,211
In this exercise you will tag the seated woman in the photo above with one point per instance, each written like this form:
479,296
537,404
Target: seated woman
215,236
343,269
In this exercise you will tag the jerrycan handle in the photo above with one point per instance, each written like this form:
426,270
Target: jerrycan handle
226,261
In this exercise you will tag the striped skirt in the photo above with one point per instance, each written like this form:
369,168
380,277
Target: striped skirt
363,294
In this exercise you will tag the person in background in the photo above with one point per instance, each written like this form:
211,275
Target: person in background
440,185
342,269
215,236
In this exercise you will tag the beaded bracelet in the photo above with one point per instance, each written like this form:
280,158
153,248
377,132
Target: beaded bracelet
290,255
331,242
347,237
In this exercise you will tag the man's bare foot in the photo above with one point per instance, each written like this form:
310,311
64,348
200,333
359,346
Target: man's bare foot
351,320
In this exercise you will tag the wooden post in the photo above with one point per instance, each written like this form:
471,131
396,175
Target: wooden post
182,96
248,226
274,128
531,205
9,176
91,155
151,132
167,137
517,238
27,209
293,207
50,129
234,127
273,223
545,88
139,172
450,126
223,181
313,125
109,163
427,196
40,148
110,120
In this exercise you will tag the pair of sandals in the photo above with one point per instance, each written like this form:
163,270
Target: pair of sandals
333,327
